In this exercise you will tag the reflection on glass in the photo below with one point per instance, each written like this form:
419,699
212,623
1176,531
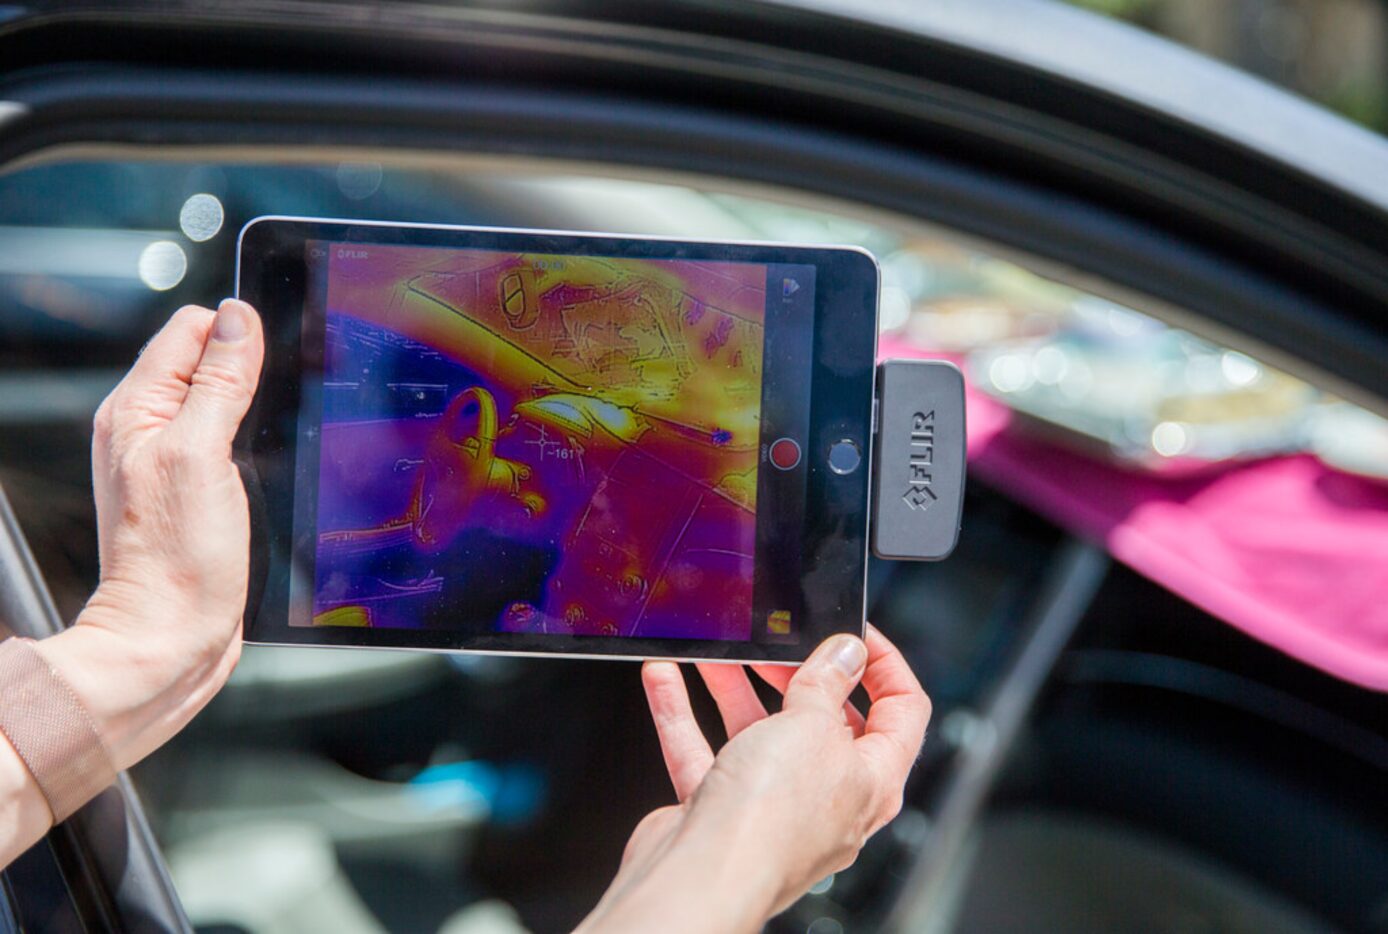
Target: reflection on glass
162,265
359,180
201,217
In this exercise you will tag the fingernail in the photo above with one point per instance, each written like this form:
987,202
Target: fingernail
848,655
231,323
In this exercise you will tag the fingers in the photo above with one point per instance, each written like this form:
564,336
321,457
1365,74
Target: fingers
157,383
176,348
828,676
225,378
900,709
687,754
732,691
778,676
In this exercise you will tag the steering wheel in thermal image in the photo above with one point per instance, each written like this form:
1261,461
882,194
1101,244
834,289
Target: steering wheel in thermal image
460,468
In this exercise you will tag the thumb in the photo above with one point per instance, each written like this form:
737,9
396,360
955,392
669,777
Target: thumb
226,376
829,675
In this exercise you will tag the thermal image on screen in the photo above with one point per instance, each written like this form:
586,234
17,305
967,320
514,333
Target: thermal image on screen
516,442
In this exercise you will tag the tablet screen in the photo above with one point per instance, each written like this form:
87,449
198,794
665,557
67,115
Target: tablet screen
539,443
543,441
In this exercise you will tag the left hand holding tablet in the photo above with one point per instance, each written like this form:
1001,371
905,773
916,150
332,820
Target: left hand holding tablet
162,632
791,798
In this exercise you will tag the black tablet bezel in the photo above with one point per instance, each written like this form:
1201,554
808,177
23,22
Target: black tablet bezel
271,275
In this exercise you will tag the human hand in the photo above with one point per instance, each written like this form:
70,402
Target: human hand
791,797
161,633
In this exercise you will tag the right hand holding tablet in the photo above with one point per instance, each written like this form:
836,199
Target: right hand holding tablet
790,798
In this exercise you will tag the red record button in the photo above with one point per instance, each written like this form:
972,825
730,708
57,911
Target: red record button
784,454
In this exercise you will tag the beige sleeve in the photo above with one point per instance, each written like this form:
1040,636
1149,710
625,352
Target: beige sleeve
50,729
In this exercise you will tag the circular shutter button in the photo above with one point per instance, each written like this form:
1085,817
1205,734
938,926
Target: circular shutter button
844,457
784,454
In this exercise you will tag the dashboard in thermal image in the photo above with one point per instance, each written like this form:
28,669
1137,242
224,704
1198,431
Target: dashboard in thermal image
515,442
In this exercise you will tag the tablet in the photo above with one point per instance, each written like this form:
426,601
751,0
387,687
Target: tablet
533,441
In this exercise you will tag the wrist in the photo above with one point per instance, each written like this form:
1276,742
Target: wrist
712,876
139,689
48,729
740,857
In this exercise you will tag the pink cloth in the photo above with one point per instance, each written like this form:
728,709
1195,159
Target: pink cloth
1288,550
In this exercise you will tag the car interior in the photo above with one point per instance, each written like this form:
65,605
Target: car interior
1104,754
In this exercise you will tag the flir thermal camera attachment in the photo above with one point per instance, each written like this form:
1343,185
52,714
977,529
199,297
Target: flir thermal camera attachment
918,482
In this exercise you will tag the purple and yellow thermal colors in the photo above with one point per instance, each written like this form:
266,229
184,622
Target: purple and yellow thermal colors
534,443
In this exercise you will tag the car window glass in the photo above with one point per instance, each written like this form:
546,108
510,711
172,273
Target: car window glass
339,785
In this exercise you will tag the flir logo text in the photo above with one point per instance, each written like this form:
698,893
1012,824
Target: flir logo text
919,495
